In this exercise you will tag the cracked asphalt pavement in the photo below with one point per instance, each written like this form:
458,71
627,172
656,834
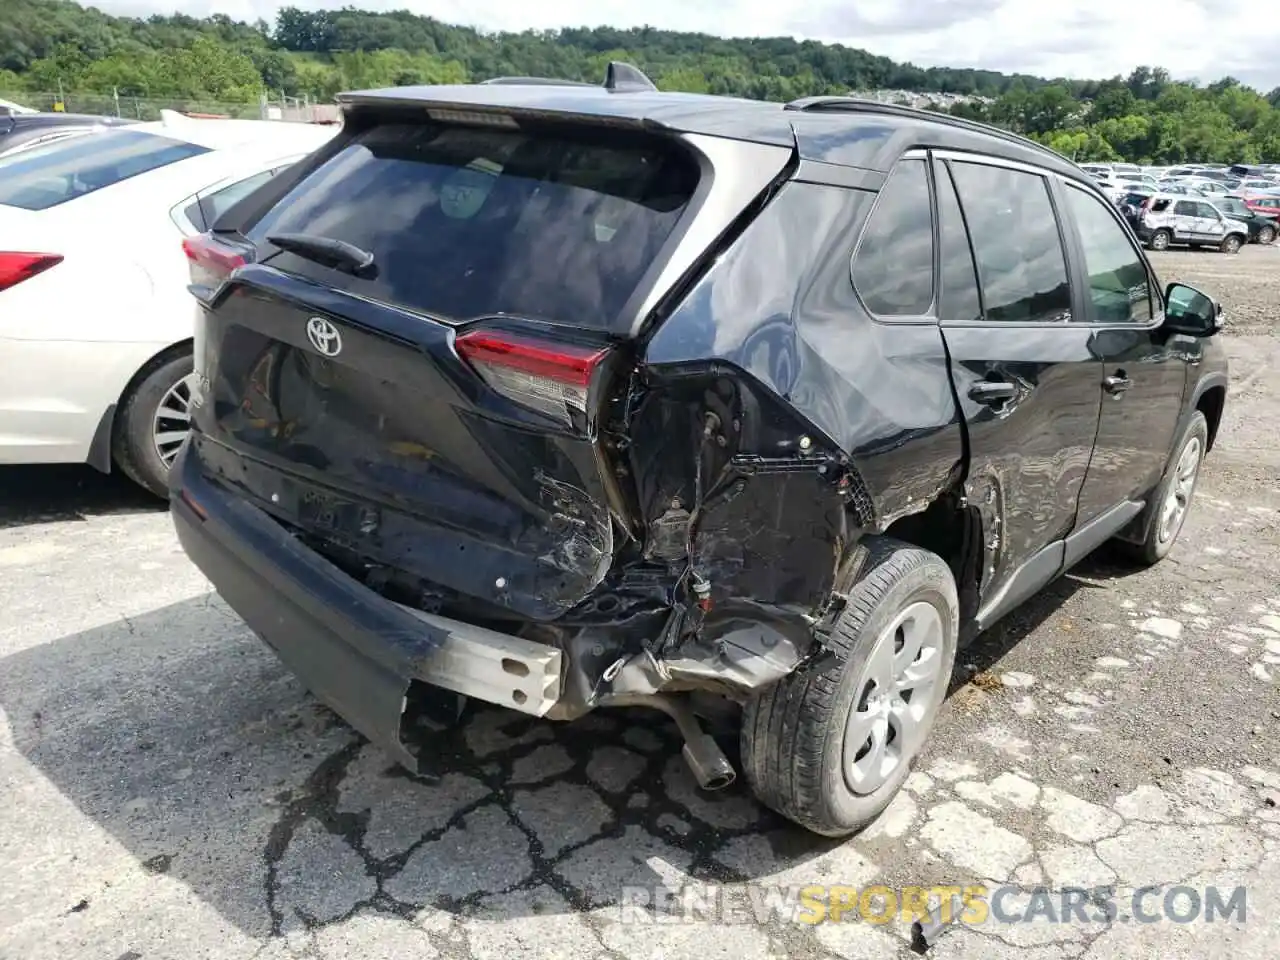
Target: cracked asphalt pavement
168,790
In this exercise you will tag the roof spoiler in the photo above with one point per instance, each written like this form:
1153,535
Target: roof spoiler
619,78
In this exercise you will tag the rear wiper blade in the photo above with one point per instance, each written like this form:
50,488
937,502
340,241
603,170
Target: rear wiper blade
328,252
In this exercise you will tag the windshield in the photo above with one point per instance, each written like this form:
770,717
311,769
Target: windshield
56,172
465,222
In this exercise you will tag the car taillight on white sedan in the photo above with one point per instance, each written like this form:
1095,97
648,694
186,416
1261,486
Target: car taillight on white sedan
16,267
211,261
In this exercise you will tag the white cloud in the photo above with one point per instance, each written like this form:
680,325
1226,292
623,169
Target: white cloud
1204,39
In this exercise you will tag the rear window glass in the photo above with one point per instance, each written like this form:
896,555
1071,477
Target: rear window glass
54,173
476,221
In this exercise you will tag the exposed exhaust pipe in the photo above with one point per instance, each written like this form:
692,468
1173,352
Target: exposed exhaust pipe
710,767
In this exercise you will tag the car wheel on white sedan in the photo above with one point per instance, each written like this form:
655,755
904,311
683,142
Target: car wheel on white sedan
153,421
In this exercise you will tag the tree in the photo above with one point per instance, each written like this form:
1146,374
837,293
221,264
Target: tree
1144,117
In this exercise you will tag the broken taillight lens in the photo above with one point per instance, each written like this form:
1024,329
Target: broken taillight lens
211,261
551,378
16,267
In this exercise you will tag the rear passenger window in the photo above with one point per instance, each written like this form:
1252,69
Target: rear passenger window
213,205
893,269
1185,208
959,302
1119,285
1015,236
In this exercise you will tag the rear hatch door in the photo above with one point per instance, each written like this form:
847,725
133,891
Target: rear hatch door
414,368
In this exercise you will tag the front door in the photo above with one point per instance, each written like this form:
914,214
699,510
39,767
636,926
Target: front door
1213,226
1027,382
1144,368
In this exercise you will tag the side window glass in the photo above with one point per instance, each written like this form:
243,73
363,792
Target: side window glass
214,205
959,301
893,268
1184,208
194,216
1021,265
1119,286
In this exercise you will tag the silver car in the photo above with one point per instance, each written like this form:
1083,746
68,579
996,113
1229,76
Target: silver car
1166,220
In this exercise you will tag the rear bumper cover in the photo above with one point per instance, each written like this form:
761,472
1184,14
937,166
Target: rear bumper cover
355,650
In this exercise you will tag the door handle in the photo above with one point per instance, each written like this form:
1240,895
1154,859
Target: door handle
992,392
1116,385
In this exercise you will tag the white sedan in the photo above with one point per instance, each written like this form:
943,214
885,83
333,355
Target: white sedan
95,317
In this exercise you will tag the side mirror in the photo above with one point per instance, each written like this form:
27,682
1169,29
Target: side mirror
1190,312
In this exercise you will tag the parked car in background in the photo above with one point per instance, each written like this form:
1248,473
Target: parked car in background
1206,186
1096,170
1165,220
8,107
562,397
95,318
1261,229
1263,204
1175,188
20,131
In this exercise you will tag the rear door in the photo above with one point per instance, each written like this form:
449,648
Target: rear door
1185,222
1144,375
1025,375
433,403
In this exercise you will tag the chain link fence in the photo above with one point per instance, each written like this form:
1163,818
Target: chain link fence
148,108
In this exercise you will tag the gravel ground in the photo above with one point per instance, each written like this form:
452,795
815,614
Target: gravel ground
169,791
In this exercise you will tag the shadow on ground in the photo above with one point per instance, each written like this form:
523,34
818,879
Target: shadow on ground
47,494
181,735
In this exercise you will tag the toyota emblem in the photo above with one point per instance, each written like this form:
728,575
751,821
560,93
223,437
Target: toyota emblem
324,336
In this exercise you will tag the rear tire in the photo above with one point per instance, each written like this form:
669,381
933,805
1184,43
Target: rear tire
1231,244
1267,235
144,441
1160,240
800,738
1171,500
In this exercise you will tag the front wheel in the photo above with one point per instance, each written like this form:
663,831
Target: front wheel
1231,244
830,749
1171,501
1160,240
153,421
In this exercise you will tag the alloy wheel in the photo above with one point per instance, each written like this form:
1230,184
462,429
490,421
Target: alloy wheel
1174,509
172,420
893,703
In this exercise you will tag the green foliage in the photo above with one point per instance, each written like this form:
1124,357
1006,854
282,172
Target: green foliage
52,45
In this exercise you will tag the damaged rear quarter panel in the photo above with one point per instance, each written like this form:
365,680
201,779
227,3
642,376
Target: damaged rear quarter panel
826,424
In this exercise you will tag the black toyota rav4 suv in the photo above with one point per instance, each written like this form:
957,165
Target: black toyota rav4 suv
563,397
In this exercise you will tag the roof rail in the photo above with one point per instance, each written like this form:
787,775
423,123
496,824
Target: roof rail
861,104
537,82
625,78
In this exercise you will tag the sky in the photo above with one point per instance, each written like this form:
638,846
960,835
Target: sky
1193,39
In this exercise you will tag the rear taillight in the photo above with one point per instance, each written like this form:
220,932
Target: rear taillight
16,267
551,378
211,261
